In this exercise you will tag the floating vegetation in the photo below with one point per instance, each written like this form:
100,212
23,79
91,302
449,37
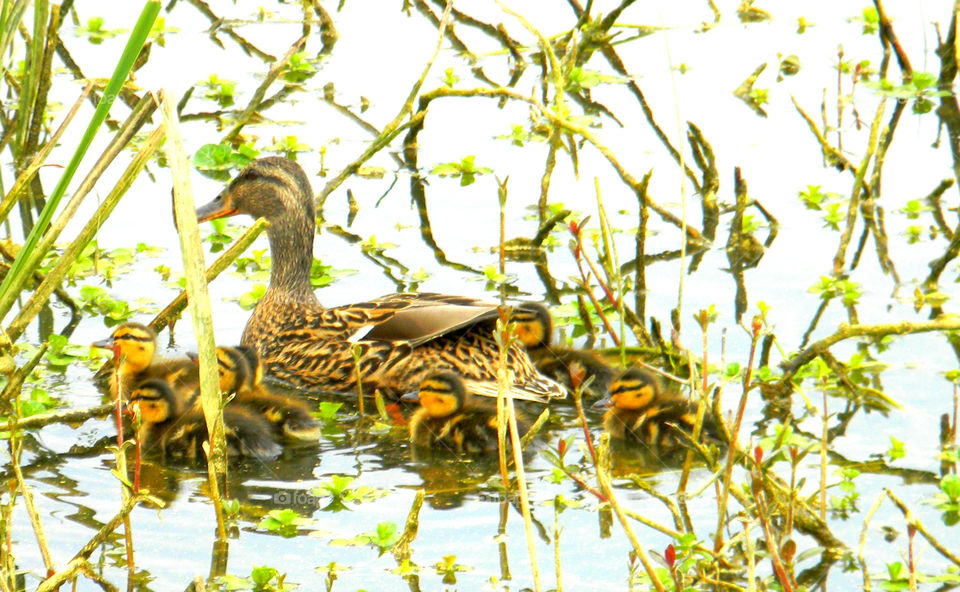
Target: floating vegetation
739,210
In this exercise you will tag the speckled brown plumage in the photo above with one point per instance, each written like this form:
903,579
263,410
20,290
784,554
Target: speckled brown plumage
401,337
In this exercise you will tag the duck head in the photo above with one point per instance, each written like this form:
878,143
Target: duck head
155,401
137,345
634,389
442,394
534,325
232,367
273,188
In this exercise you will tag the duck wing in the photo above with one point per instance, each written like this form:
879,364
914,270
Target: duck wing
413,317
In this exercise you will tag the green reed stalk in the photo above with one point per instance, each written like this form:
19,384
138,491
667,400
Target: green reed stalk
11,13
53,278
199,303
28,257
26,175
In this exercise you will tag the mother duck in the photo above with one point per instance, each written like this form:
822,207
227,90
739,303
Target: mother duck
402,337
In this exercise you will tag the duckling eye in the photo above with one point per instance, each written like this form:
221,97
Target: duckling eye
250,175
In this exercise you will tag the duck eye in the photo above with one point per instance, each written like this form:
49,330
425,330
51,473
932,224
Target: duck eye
250,174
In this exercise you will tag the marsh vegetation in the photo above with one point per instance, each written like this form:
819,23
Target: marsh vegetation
758,200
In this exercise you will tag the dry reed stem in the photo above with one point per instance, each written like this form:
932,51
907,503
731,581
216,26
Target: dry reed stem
392,129
522,490
35,522
603,453
912,519
401,549
56,274
556,544
69,416
79,560
199,303
27,175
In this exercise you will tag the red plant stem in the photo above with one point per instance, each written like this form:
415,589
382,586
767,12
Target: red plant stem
115,384
136,465
586,431
593,300
760,498
584,485
734,434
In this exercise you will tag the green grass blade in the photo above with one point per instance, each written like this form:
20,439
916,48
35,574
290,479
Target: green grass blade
27,259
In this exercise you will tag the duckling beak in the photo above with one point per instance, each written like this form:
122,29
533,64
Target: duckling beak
194,356
603,403
103,343
218,208
411,397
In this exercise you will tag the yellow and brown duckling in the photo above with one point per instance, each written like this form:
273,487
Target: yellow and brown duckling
289,415
172,428
450,418
534,329
641,413
137,344
402,337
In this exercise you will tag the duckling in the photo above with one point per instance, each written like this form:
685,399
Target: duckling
172,428
534,329
289,415
138,346
402,338
450,418
642,413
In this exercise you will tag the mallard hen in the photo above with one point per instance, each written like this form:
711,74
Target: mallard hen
401,337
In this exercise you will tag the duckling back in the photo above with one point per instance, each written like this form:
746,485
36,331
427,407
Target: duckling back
288,415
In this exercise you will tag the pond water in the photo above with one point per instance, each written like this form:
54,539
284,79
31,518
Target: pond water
687,73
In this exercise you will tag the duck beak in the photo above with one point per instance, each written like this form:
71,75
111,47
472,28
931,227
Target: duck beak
411,397
603,403
194,356
103,343
218,208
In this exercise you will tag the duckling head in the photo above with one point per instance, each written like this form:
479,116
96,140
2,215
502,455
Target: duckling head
274,188
442,394
137,344
253,363
634,389
155,400
232,368
534,325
